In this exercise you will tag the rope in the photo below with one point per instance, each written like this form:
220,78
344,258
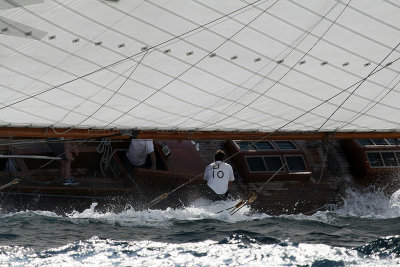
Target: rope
106,150
324,161
15,181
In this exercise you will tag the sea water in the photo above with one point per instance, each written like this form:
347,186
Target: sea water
364,231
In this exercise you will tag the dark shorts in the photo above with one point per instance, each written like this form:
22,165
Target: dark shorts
208,193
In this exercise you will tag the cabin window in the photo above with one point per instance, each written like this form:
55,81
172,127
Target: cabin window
380,142
296,163
249,145
383,159
273,163
389,159
393,141
375,159
285,145
243,145
256,164
264,145
365,142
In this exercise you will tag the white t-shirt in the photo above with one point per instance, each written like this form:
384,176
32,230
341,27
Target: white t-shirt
218,175
138,151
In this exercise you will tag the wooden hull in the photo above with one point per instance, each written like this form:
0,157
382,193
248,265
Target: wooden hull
317,187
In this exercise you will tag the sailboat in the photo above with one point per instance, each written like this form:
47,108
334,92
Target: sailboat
302,95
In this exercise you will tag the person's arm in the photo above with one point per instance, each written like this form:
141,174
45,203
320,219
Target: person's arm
205,176
153,160
231,176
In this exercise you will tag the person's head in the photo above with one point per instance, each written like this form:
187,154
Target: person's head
219,155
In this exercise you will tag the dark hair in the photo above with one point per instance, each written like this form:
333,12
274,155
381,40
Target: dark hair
219,155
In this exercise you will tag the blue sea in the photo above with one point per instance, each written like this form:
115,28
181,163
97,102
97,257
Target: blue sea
363,231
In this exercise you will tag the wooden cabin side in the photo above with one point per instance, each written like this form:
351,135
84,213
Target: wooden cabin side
303,184
374,161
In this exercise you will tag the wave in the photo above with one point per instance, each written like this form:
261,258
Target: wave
242,251
370,203
362,203
201,209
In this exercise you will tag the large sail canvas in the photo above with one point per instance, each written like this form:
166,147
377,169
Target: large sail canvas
292,66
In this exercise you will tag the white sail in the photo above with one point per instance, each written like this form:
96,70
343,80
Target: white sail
280,65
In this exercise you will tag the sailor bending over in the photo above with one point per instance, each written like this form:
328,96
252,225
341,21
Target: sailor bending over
141,154
219,176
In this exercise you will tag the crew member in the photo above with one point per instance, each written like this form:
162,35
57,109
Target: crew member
67,150
141,154
219,175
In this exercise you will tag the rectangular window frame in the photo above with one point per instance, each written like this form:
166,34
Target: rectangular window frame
304,161
293,144
284,169
396,154
248,167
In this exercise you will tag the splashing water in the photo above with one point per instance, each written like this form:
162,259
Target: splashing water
370,203
201,209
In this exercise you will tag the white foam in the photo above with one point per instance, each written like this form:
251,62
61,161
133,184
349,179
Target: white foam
199,210
370,203
100,252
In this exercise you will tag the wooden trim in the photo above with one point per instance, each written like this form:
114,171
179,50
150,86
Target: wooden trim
25,132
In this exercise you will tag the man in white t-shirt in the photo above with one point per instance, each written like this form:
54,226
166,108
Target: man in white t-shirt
218,175
139,152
